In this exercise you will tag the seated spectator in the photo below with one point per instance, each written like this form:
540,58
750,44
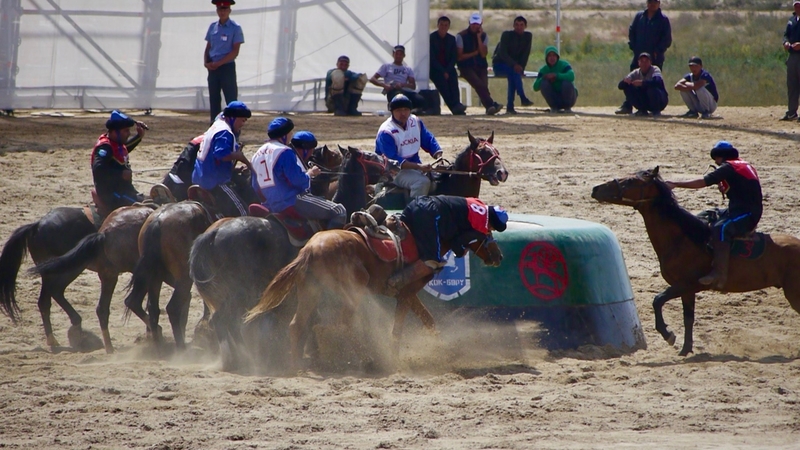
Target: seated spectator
556,81
698,90
510,58
397,78
644,88
343,89
443,66
472,45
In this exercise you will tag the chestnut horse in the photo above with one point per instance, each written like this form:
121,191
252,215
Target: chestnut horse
679,239
339,262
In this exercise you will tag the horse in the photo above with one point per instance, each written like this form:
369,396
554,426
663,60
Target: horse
235,259
340,262
480,160
680,241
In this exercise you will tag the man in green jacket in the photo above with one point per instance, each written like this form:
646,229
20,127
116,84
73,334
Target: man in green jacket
556,81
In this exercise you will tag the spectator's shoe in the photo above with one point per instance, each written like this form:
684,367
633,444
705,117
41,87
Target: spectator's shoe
689,115
789,116
527,102
624,110
565,111
641,113
656,114
553,110
511,110
705,116
459,110
494,109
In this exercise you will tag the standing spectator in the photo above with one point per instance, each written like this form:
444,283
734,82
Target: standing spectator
443,66
223,39
698,90
644,88
556,81
398,78
473,46
791,42
510,58
650,32
343,89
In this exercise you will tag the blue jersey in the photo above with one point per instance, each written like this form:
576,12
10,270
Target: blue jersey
710,84
222,37
209,169
280,176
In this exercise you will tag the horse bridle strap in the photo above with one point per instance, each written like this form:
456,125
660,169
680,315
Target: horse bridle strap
481,163
632,201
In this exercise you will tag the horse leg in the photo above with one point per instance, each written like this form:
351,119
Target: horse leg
307,300
153,311
103,310
178,312
44,304
688,301
400,313
658,304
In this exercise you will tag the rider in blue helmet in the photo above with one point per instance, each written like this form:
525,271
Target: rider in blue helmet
219,152
738,180
283,177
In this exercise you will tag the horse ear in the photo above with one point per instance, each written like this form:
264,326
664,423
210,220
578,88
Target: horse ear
472,141
491,138
655,171
342,150
353,149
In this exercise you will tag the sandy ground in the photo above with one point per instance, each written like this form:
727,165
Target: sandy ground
740,390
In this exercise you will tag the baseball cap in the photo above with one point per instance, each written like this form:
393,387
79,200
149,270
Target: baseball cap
475,18
645,55
695,60
344,58
400,47
795,2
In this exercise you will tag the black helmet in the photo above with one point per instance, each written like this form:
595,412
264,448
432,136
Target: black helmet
237,109
400,101
724,150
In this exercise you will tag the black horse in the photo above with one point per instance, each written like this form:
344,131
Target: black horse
235,259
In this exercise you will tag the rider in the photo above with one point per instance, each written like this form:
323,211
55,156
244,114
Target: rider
444,220
738,180
179,177
400,138
111,170
218,153
284,179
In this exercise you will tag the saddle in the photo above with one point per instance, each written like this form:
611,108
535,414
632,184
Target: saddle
297,227
392,242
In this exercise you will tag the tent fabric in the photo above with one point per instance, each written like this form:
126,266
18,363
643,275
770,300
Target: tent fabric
99,54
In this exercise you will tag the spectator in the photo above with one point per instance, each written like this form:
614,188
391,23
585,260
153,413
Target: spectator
650,33
556,81
473,46
343,89
510,58
397,78
223,39
644,88
791,42
698,90
443,66
400,139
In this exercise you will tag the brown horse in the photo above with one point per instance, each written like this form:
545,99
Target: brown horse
679,239
339,262
110,251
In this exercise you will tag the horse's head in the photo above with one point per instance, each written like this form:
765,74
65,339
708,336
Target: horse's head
643,186
488,251
372,166
483,158
325,158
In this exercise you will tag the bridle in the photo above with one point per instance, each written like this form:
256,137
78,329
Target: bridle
486,241
365,162
481,164
634,201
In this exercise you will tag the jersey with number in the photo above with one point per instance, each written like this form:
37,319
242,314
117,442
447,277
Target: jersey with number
280,175
209,168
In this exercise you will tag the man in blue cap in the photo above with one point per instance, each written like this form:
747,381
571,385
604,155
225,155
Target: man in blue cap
223,39
444,220
738,180
400,139
284,179
218,153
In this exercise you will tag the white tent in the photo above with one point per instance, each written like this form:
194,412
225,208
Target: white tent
149,53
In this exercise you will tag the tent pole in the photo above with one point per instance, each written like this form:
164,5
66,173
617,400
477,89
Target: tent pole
558,25
480,7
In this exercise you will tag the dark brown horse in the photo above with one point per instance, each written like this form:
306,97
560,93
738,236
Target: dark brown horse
235,259
109,251
679,239
339,263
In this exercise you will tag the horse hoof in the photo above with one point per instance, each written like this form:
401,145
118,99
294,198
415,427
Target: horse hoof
83,341
685,352
671,338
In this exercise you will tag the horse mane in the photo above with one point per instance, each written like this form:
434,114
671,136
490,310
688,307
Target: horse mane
668,208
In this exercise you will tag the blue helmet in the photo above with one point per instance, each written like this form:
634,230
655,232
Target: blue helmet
724,150
279,127
119,121
400,101
237,109
304,140
498,218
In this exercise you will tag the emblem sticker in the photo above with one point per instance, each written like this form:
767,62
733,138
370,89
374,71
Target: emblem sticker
543,270
452,281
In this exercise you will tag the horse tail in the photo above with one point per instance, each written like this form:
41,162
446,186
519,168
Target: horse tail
150,263
281,286
74,261
201,267
10,260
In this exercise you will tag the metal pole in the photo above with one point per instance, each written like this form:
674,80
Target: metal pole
480,8
558,26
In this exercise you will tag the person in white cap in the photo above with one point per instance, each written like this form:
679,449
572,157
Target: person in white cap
472,46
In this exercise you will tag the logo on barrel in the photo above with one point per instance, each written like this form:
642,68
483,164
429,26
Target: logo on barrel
453,280
543,270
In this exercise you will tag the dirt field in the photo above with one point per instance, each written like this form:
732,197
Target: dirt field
740,390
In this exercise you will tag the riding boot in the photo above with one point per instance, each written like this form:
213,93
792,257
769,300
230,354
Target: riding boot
352,107
407,275
719,267
338,105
